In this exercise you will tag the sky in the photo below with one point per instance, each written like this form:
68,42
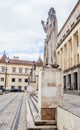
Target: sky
21,32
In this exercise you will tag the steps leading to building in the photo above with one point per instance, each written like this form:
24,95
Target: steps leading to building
47,127
33,120
45,122
35,98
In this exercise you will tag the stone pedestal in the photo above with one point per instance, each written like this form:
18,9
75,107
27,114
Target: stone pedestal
50,92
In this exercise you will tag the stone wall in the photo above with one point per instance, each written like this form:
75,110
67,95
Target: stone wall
67,120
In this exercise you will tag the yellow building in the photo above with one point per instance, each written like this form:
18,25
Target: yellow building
68,49
15,73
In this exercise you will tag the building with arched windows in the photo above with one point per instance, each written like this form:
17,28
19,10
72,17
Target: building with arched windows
68,49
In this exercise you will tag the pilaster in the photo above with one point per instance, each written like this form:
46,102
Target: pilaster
79,43
66,81
73,50
72,80
79,78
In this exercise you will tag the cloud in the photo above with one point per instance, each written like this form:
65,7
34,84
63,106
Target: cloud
20,25
22,10
4,3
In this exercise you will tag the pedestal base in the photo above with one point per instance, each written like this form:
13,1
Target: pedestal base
50,92
48,113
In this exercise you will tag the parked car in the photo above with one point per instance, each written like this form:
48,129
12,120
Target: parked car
1,92
15,90
3,89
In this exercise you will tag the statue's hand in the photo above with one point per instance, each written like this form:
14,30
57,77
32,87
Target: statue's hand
42,22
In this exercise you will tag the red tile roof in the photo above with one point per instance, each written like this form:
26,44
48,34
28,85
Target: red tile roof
20,62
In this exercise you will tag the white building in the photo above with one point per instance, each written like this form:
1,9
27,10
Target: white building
15,73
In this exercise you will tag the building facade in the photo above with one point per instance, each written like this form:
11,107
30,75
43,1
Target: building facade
15,73
68,49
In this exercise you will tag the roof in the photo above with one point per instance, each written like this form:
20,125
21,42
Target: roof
40,62
3,58
20,62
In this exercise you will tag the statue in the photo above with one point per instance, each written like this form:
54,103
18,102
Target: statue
51,30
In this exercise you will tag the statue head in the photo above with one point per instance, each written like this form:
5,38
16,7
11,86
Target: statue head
51,11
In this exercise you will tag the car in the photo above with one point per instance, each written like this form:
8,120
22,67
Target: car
15,90
1,92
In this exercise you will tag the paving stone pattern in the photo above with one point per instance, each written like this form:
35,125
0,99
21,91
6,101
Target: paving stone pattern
12,111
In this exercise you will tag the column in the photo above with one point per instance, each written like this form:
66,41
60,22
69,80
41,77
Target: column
63,58
78,74
67,55
73,50
66,81
72,80
60,59
79,42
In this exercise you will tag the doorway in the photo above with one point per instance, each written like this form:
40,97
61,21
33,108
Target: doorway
75,81
64,82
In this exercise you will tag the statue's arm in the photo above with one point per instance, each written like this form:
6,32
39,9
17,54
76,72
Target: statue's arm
44,27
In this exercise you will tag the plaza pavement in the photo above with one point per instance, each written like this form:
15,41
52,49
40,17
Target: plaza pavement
71,103
14,110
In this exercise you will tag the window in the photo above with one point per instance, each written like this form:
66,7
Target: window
26,70
19,87
25,87
2,79
26,80
19,80
20,70
3,69
13,79
13,69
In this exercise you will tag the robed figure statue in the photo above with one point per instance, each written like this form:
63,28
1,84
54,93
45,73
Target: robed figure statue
51,30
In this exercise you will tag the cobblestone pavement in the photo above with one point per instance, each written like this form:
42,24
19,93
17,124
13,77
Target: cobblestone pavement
12,111
72,104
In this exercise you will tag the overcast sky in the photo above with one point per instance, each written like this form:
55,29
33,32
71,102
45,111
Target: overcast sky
21,32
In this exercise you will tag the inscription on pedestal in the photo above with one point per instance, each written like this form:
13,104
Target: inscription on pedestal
51,84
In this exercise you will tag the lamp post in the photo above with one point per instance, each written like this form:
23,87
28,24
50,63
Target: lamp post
6,61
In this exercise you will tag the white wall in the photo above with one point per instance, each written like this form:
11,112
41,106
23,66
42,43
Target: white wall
67,121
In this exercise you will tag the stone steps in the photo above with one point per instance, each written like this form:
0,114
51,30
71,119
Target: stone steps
35,103
45,122
47,127
35,94
35,97
35,123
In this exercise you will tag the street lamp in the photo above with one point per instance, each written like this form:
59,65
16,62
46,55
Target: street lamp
6,61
